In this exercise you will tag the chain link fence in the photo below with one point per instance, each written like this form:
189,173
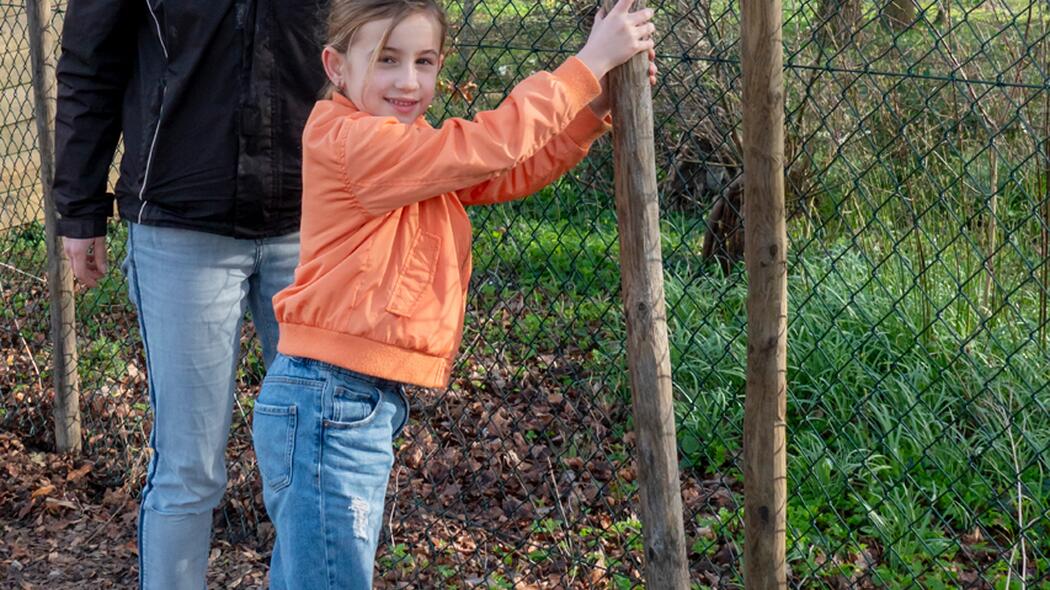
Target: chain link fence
918,191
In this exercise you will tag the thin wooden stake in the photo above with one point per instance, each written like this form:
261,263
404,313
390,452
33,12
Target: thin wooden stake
765,255
59,274
648,358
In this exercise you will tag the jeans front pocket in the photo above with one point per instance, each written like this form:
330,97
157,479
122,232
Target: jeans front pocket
354,404
273,433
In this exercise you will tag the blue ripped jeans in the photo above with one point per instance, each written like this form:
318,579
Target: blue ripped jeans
324,442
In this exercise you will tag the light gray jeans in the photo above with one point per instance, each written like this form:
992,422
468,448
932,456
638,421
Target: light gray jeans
191,290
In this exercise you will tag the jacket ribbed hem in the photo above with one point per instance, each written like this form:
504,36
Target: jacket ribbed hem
364,355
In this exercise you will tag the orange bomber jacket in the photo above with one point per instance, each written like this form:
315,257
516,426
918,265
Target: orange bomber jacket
386,243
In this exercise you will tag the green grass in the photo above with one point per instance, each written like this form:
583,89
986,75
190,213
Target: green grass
912,410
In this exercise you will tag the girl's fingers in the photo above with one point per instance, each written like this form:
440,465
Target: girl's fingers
641,16
621,7
645,31
646,45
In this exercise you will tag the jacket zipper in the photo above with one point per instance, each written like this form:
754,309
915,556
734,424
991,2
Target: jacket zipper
160,113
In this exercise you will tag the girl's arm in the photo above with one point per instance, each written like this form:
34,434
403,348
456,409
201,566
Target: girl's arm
560,155
387,165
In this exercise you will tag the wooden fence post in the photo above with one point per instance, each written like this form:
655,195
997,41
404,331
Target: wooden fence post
648,360
765,255
59,274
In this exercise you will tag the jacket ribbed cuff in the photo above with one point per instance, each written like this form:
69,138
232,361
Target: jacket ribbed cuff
580,83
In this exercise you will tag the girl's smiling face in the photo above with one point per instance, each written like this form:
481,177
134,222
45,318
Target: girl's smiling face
395,80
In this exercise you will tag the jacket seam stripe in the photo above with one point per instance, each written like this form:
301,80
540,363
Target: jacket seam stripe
149,157
160,34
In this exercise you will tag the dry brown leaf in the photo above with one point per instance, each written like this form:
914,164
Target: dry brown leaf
42,491
55,503
80,472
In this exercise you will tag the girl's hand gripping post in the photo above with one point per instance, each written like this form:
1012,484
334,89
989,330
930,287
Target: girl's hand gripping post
617,37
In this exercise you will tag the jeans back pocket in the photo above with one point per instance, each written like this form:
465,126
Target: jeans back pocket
273,431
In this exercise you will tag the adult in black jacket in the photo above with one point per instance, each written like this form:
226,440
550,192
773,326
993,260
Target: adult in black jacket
211,97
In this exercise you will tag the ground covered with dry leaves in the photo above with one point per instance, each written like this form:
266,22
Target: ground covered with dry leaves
495,487
61,527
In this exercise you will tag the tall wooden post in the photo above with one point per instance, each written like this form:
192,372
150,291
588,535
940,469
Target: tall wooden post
765,245
648,359
59,273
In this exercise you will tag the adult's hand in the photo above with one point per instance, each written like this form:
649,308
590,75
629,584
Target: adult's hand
88,258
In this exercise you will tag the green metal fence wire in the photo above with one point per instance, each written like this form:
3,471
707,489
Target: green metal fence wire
918,191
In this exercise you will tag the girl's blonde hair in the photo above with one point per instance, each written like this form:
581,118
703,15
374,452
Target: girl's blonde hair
346,17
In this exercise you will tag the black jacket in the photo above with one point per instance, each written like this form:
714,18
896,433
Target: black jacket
211,96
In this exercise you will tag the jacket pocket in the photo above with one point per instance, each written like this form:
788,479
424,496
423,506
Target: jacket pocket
417,273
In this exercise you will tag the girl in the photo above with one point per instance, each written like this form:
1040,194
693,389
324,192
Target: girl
378,297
